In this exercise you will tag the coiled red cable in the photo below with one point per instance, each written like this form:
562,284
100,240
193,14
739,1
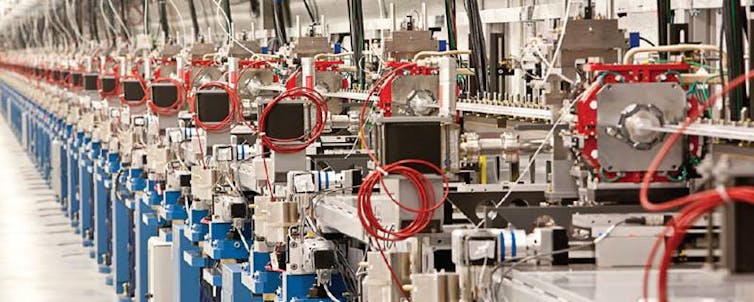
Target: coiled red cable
694,205
427,199
177,105
135,75
297,144
423,187
106,94
232,112
300,143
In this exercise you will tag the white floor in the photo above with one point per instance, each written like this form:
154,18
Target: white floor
41,259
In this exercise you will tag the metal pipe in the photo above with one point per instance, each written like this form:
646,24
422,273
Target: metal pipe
424,16
392,17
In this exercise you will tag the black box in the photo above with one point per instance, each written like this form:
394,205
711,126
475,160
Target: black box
77,79
107,84
164,94
212,106
285,121
90,81
132,90
413,140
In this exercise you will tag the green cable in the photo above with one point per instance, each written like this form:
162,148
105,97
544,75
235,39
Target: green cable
665,74
618,77
681,177
608,179
693,88
692,63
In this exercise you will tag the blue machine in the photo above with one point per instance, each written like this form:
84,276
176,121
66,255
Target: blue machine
88,152
106,166
116,207
146,223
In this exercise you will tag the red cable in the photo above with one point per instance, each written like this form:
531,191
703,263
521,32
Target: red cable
696,204
644,192
178,103
705,202
228,120
297,144
427,201
423,187
105,94
135,75
300,143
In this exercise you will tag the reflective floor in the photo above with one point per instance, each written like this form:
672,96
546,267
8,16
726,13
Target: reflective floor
625,285
41,259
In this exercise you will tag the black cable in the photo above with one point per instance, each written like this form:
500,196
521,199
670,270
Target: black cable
162,8
356,18
229,26
279,21
194,19
254,7
663,10
450,17
735,52
647,40
477,42
93,30
310,12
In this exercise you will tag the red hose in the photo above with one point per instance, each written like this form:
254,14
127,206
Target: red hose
297,144
704,202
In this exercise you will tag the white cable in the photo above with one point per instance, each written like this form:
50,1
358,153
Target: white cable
56,19
559,46
74,25
180,18
329,293
104,17
240,234
533,158
117,17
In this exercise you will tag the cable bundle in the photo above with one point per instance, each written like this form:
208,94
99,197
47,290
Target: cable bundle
306,139
228,120
476,40
694,206
180,99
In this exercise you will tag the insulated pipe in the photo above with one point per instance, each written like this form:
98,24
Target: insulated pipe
628,58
